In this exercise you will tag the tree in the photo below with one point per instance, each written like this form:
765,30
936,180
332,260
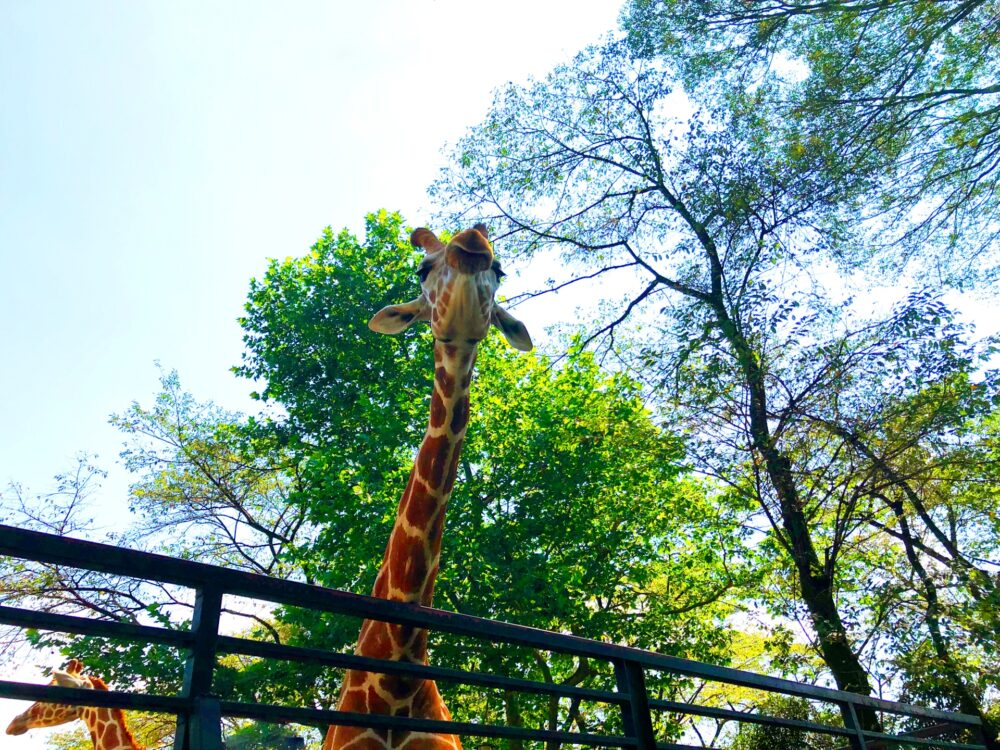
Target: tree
589,161
902,426
718,239
214,473
896,103
570,512
761,737
914,432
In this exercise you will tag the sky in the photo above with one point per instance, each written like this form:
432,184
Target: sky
154,156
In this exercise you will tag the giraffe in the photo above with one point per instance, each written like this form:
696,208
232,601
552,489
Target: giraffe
458,283
108,730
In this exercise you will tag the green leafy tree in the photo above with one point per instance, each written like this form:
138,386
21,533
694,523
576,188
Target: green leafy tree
717,239
216,472
710,231
570,513
913,434
573,512
762,737
895,104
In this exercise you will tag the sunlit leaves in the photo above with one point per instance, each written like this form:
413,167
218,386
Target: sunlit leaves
894,105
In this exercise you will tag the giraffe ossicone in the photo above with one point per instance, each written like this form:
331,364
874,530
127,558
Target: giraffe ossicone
107,727
458,283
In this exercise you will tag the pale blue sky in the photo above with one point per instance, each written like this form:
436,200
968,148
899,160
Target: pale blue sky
153,155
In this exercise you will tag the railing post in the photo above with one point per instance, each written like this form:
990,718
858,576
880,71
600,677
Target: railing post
980,729
636,716
851,722
201,727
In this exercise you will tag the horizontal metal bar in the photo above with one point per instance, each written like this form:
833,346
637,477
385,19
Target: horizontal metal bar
26,618
752,718
320,717
316,717
910,739
267,650
928,732
49,548
805,726
85,697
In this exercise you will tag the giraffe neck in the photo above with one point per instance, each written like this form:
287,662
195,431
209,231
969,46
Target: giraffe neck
108,730
410,565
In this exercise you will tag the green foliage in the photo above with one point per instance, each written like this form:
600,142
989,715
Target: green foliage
574,510
216,471
762,737
852,461
719,230
893,104
258,736
355,401
718,235
570,512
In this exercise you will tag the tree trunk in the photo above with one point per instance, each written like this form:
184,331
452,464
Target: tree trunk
815,580
514,718
967,701
580,674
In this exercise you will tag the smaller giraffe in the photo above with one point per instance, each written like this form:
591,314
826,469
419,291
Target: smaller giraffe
108,730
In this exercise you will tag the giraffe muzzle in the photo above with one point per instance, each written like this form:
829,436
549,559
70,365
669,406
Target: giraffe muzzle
469,252
17,726
470,263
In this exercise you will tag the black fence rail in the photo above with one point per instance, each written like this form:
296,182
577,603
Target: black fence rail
199,712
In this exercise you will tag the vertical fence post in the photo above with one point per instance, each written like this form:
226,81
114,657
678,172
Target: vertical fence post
636,717
851,722
200,728
979,731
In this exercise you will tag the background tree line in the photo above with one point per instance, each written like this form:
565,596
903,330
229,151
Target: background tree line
775,446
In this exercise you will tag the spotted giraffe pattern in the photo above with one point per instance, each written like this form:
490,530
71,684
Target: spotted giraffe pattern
107,727
458,284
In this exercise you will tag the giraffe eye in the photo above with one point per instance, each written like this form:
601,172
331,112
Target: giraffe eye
422,273
496,269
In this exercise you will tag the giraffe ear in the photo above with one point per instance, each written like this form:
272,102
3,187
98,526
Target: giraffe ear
397,318
426,239
513,329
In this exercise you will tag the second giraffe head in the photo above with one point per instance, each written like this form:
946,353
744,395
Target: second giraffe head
458,284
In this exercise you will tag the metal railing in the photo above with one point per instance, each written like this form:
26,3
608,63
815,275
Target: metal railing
199,712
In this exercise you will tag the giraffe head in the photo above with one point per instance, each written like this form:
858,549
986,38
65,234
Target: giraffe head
458,284
53,714
107,727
